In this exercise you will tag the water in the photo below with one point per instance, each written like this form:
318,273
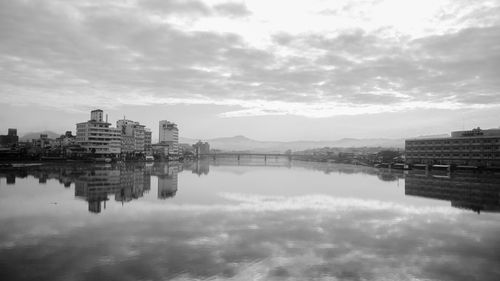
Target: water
247,220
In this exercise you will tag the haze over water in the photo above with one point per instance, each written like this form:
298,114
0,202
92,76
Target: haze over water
247,220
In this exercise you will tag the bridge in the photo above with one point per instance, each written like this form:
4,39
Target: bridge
239,155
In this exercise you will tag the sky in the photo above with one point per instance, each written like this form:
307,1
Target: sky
269,70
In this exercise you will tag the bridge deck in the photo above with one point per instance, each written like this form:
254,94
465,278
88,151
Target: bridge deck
245,154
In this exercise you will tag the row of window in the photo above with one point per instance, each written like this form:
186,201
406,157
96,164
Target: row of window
468,141
483,155
488,147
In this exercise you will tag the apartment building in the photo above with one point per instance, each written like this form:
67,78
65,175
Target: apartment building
97,136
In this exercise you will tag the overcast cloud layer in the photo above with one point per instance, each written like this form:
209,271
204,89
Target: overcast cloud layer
306,58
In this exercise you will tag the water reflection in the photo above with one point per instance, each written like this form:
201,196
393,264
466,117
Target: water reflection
167,182
122,183
310,221
126,183
476,192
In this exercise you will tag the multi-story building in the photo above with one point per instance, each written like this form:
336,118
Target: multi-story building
44,142
147,140
133,136
169,136
97,136
66,140
10,139
201,148
475,147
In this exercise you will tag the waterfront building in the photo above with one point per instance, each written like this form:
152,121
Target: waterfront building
10,139
147,140
44,142
66,140
163,149
475,147
97,136
201,148
133,136
169,136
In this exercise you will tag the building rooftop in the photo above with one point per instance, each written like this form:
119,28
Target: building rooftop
476,132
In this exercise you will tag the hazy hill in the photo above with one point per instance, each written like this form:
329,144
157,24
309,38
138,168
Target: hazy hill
433,136
35,135
242,143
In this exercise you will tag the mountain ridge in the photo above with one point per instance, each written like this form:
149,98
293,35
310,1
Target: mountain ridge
242,143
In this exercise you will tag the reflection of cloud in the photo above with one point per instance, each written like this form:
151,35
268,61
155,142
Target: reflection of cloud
258,203
266,237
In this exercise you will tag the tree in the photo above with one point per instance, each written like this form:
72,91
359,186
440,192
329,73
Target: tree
387,156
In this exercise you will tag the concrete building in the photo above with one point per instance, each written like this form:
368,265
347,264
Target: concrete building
66,140
475,147
44,142
10,139
133,136
147,141
97,136
169,136
201,148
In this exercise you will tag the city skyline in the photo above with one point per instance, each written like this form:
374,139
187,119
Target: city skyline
312,70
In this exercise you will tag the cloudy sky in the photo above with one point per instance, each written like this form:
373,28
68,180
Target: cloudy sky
270,70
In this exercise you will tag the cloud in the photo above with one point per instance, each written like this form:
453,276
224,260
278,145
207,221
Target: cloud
189,7
232,9
64,54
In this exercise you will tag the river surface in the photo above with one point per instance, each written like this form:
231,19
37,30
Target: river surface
247,220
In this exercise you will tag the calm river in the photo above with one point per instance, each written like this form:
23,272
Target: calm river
247,220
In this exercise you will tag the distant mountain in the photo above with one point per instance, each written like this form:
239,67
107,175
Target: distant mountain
36,135
242,143
433,136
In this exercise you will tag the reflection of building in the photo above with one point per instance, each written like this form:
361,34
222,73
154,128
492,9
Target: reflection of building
10,139
167,182
126,184
201,166
473,192
93,183
96,136
169,136
95,186
475,147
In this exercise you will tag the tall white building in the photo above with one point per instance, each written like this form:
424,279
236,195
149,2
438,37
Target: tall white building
169,135
97,137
